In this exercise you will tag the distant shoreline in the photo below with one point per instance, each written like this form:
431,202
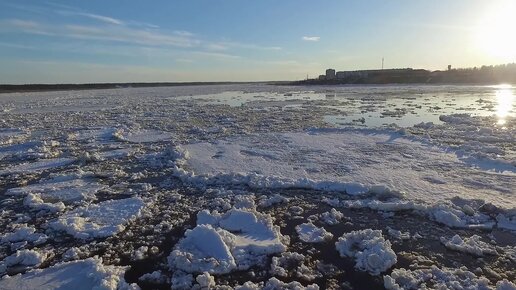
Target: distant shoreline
26,88
29,88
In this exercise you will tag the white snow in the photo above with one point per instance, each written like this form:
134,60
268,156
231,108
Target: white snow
99,220
54,193
357,162
24,233
371,251
291,264
140,253
155,277
221,243
443,212
273,200
203,249
25,258
274,284
397,234
205,281
309,233
439,278
472,245
79,275
332,217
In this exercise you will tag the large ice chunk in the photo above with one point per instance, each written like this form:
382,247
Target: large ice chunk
371,251
221,243
99,220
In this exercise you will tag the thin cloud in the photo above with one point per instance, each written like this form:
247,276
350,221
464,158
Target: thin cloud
102,18
103,33
311,38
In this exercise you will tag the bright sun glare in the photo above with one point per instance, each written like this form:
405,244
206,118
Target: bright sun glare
504,99
496,34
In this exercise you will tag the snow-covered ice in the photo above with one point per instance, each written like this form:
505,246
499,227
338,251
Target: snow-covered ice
244,186
222,243
99,220
371,251
472,245
342,160
58,191
83,274
310,233
38,166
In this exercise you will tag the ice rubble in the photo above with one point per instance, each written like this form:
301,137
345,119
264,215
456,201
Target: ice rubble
273,200
309,233
472,245
291,264
205,281
23,233
80,275
99,220
31,258
440,278
221,243
155,277
274,283
371,251
332,217
443,212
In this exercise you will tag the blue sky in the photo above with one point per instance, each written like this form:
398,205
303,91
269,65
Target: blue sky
123,41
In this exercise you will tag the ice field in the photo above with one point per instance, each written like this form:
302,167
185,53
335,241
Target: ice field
259,187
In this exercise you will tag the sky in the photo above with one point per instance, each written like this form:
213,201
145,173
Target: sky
233,40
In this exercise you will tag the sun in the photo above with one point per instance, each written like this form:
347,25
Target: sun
495,34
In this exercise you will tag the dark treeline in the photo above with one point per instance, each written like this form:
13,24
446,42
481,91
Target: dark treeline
93,86
505,73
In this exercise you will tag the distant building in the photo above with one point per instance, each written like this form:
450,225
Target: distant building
322,77
351,74
330,74
449,67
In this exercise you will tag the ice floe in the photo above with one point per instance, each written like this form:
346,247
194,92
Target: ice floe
24,233
54,193
472,245
221,243
80,275
332,217
37,166
371,251
142,136
309,233
27,258
99,220
374,162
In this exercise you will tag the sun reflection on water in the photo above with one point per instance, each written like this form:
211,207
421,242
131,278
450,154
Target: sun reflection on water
504,100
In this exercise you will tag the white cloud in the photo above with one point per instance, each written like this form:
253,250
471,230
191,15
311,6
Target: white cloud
117,33
311,38
102,18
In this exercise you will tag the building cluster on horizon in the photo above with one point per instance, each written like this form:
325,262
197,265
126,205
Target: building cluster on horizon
331,74
477,75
